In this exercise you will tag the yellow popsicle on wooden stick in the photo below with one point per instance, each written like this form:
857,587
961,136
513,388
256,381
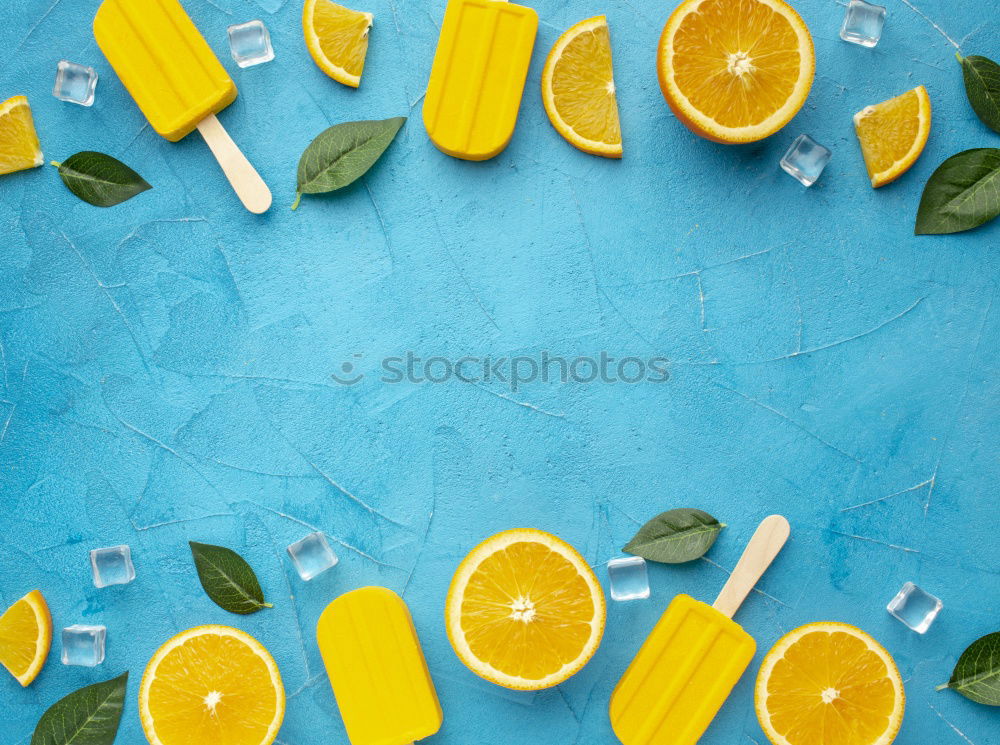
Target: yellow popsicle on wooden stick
177,81
694,656
477,79
377,669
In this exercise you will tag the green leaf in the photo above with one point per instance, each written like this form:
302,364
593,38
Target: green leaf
982,86
227,578
342,154
99,179
963,193
977,674
89,716
675,536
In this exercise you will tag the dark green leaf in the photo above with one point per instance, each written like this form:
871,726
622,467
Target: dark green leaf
99,179
89,716
675,536
982,86
963,193
228,579
977,674
342,154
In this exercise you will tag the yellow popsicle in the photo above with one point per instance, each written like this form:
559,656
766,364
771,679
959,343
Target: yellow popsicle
177,81
377,669
693,658
478,75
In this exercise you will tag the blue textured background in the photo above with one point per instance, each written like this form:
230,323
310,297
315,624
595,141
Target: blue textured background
166,364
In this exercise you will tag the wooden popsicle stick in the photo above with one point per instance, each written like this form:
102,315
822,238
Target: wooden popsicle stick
767,541
243,177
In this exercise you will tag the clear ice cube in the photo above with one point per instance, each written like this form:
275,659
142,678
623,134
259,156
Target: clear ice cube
250,43
83,645
628,577
805,160
75,83
112,566
863,23
916,608
312,555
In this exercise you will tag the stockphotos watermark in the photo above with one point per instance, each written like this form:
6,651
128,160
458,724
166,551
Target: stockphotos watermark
513,372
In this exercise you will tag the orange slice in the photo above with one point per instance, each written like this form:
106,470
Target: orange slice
578,89
524,610
25,637
893,134
829,684
211,685
19,146
337,39
735,70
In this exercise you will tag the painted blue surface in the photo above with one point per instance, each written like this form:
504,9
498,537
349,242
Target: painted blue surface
166,365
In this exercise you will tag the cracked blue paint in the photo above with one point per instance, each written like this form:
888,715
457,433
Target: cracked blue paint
165,366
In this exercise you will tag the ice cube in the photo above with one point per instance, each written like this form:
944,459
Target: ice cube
83,645
75,83
628,577
805,160
916,608
112,566
312,555
250,43
863,23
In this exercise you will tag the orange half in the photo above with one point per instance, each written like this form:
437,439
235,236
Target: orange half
735,71
525,610
829,684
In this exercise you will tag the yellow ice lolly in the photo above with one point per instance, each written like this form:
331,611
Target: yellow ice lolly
693,658
377,669
177,81
478,76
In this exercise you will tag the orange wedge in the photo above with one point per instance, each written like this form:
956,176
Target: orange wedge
578,89
337,39
893,134
25,637
735,71
211,685
19,146
525,610
829,684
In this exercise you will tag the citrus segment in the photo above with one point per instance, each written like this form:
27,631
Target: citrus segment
211,685
337,39
829,684
893,134
19,146
524,610
735,70
578,89
25,637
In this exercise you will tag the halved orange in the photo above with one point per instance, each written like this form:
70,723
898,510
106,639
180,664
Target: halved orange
25,637
829,684
893,134
578,89
19,146
525,610
211,685
337,39
735,71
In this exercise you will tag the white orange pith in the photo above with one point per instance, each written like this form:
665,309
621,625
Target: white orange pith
578,89
893,134
19,146
829,684
211,685
25,637
735,70
525,610
337,39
